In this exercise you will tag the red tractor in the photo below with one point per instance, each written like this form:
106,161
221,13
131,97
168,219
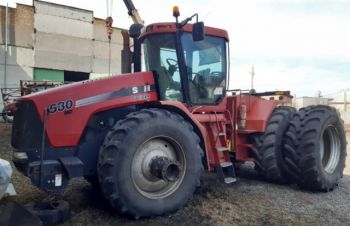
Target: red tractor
145,138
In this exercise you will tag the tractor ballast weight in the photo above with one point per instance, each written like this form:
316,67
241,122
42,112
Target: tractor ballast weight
145,137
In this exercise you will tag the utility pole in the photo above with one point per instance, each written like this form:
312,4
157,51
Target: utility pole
6,43
252,73
109,23
345,101
319,97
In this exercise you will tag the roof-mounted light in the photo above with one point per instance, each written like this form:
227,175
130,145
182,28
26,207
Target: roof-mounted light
176,12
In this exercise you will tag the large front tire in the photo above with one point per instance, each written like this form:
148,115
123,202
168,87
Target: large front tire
130,151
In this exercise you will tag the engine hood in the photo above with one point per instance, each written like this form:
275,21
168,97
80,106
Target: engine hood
69,107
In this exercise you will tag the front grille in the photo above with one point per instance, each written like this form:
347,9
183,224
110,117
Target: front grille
27,127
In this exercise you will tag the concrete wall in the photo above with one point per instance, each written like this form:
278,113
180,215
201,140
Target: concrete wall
63,39
101,62
19,55
19,67
62,11
71,39
56,37
63,26
101,49
345,116
340,106
306,101
62,52
21,25
340,99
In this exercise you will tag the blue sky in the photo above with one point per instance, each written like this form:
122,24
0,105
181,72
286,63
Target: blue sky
300,45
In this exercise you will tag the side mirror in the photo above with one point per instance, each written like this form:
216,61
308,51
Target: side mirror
198,31
135,30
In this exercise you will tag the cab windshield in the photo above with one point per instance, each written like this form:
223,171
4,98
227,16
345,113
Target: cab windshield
205,67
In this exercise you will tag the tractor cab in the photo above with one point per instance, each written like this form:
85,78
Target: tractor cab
190,67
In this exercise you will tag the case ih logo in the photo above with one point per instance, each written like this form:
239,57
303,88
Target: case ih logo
116,94
141,97
141,89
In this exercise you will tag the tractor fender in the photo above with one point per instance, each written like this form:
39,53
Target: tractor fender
73,166
258,111
181,109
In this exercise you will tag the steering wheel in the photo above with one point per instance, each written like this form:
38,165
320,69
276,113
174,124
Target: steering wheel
173,65
171,62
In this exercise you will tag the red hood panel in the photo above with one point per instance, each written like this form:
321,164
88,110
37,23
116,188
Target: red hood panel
71,106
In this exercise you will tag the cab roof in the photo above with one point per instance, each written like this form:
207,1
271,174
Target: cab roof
171,28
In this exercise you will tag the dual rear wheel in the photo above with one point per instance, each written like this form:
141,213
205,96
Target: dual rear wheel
307,147
267,147
315,148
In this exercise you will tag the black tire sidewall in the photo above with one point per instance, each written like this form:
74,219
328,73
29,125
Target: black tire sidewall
274,146
283,127
332,178
145,131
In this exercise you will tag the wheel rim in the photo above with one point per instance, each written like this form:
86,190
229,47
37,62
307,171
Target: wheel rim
330,147
144,181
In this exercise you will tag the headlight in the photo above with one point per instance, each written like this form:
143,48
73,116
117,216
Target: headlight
20,155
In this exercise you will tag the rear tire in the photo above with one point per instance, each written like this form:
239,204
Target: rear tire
315,148
268,158
126,157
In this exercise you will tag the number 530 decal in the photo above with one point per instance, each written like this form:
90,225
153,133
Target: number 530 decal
60,106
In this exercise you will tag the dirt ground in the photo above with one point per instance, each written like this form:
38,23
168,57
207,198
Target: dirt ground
250,201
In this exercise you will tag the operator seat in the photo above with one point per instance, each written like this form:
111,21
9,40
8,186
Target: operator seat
198,90
194,92
164,80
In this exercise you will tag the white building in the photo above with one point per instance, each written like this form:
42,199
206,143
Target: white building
300,102
54,42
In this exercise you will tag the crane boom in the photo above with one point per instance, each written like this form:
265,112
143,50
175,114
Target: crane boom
132,11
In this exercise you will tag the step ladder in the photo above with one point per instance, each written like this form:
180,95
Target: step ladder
225,169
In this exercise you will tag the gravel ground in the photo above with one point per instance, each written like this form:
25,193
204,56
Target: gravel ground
250,201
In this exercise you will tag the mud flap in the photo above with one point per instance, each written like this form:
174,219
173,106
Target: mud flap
73,165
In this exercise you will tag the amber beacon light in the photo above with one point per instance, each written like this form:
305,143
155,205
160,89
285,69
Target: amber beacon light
176,11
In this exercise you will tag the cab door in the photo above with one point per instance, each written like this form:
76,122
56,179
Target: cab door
206,69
